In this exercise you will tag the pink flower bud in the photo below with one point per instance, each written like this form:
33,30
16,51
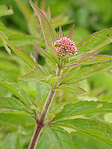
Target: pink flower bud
65,46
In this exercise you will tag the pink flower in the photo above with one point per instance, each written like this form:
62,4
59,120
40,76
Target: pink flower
65,46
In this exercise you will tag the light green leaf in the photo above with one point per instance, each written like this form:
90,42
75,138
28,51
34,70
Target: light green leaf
5,11
4,77
21,39
96,41
24,56
61,19
96,129
26,96
75,74
46,27
90,58
84,107
33,75
11,104
12,141
57,138
16,119
12,89
50,79
71,89
42,90
4,32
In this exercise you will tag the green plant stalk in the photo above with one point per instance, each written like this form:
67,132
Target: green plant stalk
40,121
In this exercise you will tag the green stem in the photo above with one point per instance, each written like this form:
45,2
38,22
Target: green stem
40,122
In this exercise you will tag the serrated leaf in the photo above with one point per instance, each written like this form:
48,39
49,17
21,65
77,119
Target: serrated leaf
96,129
45,25
75,75
24,56
84,107
96,41
5,11
71,89
89,59
33,75
50,79
11,104
57,138
21,39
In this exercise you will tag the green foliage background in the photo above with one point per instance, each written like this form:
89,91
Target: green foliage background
88,16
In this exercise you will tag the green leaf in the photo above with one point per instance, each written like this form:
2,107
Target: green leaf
42,90
61,19
96,41
5,11
50,79
71,89
33,75
84,107
12,89
4,77
46,27
96,129
38,74
24,56
12,141
90,58
77,74
21,39
4,32
26,96
33,24
11,104
16,119
57,138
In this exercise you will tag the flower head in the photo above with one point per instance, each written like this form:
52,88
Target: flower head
65,46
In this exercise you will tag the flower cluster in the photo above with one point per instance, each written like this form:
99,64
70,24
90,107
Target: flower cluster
65,46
